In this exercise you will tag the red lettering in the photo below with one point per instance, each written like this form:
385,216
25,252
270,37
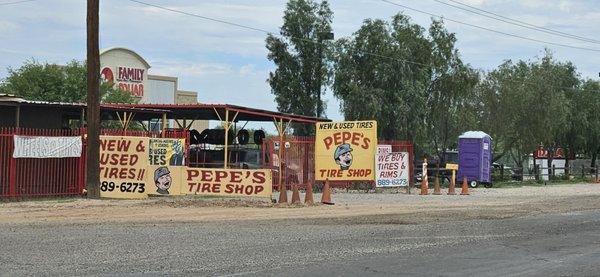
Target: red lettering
192,174
239,189
228,188
206,175
236,176
258,177
220,175
205,187
328,142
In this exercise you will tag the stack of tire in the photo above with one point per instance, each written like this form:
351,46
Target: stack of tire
217,137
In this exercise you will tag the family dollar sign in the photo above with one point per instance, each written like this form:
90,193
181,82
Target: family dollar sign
345,151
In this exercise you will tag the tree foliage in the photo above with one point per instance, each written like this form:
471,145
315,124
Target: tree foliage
301,71
57,83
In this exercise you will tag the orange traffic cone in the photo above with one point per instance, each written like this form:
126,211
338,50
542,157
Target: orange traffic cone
282,194
451,189
465,187
424,186
296,195
436,187
308,198
326,198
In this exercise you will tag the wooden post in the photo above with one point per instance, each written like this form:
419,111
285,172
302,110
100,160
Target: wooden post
93,101
597,180
164,124
582,171
226,143
18,116
502,172
553,173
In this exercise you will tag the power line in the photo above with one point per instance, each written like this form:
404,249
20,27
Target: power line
491,30
518,22
265,31
15,2
303,39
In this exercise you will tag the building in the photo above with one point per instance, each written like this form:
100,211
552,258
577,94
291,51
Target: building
130,72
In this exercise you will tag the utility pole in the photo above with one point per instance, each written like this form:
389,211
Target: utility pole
93,102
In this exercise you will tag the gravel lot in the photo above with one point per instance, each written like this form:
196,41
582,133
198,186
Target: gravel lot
543,231
482,203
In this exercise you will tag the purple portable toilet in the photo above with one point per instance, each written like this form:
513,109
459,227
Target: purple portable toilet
475,158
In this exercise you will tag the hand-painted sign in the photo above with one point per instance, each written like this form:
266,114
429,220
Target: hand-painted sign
383,149
392,170
164,151
345,150
46,147
227,182
123,167
164,180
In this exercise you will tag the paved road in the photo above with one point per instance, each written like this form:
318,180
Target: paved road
543,245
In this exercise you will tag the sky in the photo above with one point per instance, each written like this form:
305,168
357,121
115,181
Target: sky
228,64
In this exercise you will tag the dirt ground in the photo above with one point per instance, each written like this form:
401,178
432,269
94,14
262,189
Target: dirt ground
354,207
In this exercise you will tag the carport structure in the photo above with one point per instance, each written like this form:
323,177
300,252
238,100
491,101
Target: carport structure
185,115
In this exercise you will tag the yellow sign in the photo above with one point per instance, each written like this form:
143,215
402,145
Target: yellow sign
345,150
166,151
227,182
164,180
123,167
452,166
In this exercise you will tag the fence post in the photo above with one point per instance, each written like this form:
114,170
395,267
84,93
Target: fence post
553,173
597,180
502,172
536,172
12,163
582,171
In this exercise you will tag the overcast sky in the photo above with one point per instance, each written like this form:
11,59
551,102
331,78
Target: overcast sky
227,64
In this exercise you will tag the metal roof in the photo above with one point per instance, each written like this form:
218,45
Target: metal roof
217,112
141,113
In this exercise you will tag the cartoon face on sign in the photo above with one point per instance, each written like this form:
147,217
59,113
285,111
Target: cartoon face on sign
343,156
162,180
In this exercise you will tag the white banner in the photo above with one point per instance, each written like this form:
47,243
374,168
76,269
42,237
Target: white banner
391,169
47,147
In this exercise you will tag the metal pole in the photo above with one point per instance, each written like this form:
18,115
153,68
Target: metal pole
93,101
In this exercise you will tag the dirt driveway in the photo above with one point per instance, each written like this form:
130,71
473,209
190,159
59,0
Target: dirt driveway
363,207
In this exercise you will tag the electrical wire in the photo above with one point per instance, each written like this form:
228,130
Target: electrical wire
491,30
303,39
266,31
15,2
518,22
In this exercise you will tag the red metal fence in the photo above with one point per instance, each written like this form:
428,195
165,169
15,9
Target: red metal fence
299,163
29,177
38,177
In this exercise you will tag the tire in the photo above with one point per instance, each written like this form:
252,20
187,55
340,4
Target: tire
203,136
473,184
487,185
259,136
195,137
243,137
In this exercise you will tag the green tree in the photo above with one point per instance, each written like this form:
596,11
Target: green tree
381,73
525,104
57,83
451,105
301,71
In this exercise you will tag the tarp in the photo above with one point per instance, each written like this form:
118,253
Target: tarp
47,147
